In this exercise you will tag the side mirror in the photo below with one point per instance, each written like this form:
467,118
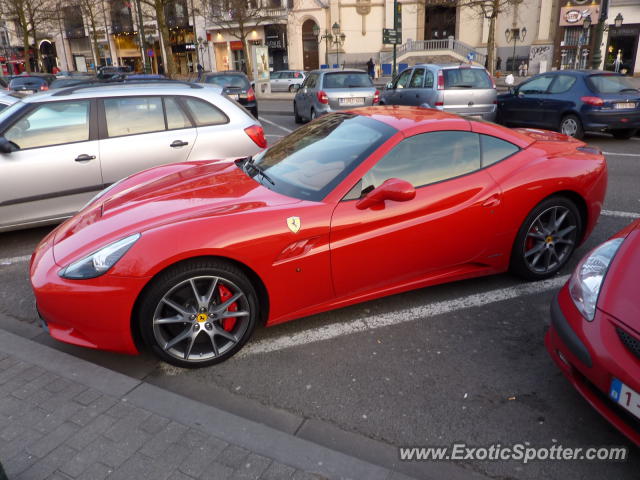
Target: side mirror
392,189
389,86
7,146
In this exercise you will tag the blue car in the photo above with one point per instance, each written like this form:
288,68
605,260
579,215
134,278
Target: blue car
573,102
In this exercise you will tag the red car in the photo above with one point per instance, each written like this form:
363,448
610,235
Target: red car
188,258
595,330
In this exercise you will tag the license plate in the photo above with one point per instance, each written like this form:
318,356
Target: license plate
625,397
351,101
624,105
233,96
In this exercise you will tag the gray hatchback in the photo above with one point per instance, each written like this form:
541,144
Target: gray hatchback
331,90
454,88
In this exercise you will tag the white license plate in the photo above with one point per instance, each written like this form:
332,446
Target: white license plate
625,397
624,105
233,96
351,101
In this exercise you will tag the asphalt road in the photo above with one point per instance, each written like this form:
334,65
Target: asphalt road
463,362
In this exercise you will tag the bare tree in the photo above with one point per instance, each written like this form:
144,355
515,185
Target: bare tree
160,8
489,9
29,17
238,18
90,10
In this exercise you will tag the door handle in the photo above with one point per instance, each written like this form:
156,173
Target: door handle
492,201
85,158
178,143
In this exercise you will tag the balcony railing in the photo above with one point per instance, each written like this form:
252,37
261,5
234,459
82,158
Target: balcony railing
434,46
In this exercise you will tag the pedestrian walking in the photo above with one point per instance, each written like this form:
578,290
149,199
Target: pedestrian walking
371,67
526,69
200,70
499,63
521,69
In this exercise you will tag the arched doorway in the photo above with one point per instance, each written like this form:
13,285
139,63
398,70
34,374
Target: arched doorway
440,22
48,55
310,52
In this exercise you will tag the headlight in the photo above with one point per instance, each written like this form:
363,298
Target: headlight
585,283
99,262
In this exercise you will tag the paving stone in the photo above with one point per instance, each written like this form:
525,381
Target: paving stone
125,426
53,419
300,475
48,465
177,475
139,467
87,397
85,415
90,432
19,463
25,420
20,443
58,385
161,441
14,370
121,409
217,471
154,424
96,471
58,399
50,441
233,456
33,386
253,466
278,471
201,453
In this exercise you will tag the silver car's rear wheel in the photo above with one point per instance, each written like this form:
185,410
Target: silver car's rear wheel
199,314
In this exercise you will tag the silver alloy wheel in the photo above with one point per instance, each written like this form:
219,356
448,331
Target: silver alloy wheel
188,320
550,239
569,127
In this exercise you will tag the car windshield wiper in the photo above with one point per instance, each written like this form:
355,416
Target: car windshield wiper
628,90
461,85
248,162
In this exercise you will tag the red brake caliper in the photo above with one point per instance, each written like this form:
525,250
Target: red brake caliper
225,294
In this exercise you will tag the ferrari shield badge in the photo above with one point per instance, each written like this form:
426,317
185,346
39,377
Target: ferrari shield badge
294,224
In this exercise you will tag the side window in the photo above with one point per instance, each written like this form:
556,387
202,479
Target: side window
176,118
276,75
418,77
52,123
204,113
537,85
428,80
562,84
310,81
495,149
402,80
427,158
133,115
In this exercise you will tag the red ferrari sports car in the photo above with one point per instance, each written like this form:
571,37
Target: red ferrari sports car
188,258
595,330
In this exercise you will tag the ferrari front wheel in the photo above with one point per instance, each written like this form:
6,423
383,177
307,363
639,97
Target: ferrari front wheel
546,239
198,313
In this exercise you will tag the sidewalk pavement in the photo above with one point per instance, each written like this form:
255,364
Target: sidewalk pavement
65,418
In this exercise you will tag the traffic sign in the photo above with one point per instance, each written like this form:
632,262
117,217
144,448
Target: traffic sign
391,36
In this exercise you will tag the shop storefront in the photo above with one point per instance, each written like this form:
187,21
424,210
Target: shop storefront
276,40
574,42
183,48
622,49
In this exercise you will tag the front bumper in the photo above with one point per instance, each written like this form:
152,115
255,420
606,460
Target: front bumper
590,355
94,313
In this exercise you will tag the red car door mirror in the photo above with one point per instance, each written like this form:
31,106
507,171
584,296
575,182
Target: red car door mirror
392,189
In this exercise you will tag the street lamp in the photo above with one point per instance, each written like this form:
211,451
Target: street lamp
583,40
327,37
338,40
515,34
618,20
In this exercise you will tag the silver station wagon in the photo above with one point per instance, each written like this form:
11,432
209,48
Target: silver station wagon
454,88
59,148
331,90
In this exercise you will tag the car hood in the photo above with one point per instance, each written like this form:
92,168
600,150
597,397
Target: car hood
619,295
207,190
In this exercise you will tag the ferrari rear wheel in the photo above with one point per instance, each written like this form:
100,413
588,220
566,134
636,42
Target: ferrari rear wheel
546,239
198,313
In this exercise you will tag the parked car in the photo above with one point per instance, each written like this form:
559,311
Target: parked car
574,102
594,336
59,148
454,88
353,206
27,84
236,86
331,90
71,81
286,80
106,72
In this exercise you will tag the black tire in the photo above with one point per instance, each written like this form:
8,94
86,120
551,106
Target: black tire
572,126
208,336
623,133
296,117
312,115
541,250
291,88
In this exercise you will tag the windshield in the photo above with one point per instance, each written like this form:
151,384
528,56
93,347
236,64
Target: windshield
312,160
608,83
27,81
347,80
466,78
228,81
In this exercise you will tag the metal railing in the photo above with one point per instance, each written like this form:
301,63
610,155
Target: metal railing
434,46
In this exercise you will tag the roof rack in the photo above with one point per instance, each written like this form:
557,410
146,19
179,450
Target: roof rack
93,84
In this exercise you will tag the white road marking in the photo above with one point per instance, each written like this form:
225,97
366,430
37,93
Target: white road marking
614,213
262,119
622,154
12,260
422,312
